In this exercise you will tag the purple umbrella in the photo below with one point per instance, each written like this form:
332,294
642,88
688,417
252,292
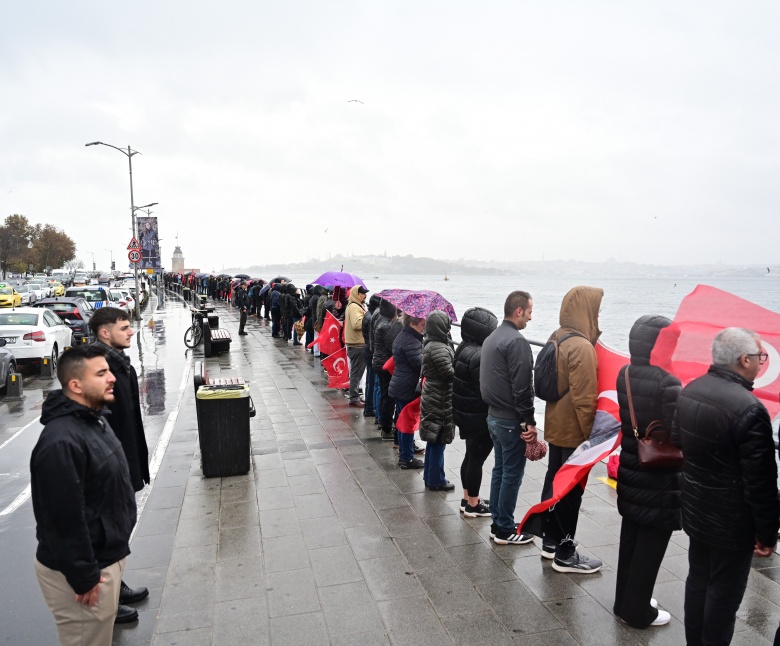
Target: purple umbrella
339,279
418,303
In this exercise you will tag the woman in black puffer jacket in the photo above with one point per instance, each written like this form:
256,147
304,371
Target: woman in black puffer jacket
407,354
436,425
648,499
470,412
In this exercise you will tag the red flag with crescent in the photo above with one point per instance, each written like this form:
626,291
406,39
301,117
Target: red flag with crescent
685,347
329,339
337,368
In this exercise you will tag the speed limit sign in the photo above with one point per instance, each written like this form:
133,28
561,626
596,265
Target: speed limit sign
134,256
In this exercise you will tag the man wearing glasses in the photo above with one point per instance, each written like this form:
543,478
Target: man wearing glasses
730,506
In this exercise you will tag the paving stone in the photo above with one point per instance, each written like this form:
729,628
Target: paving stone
241,621
166,498
318,533
152,551
580,616
349,609
313,506
285,553
334,565
238,489
158,521
291,593
402,521
274,498
238,514
190,637
279,522
412,620
385,497
378,638
480,564
518,609
239,579
390,577
423,551
353,510
239,542
479,628
450,592
270,478
370,541
452,530
426,505
551,638
299,630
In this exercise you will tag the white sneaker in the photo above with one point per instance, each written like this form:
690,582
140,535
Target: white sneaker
653,603
662,619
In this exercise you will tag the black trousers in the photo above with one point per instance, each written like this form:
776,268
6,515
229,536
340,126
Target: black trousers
714,589
478,448
242,321
561,521
387,406
276,317
641,551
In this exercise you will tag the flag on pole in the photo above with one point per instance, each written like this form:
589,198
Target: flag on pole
337,368
329,339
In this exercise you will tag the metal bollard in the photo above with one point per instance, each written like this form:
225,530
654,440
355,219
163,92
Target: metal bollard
14,387
47,369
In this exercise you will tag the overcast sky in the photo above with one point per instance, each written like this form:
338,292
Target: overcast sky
486,130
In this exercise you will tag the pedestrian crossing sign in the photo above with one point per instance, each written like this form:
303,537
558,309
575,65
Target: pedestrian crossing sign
134,245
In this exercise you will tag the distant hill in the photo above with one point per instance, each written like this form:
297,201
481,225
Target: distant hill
370,266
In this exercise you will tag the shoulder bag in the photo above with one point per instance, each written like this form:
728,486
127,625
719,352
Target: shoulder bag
655,449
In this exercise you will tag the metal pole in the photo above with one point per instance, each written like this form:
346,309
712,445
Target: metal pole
132,228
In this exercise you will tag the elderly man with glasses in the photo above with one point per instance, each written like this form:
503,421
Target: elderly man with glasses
730,506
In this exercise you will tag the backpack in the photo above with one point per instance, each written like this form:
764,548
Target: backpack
546,370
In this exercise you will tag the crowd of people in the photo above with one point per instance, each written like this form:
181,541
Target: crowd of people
723,492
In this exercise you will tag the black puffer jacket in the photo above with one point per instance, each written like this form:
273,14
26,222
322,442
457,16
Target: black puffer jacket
436,423
469,411
407,352
386,328
647,497
729,492
368,317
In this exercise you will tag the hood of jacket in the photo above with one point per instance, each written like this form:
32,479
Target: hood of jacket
373,302
477,324
437,327
580,312
289,288
58,405
353,295
387,309
642,338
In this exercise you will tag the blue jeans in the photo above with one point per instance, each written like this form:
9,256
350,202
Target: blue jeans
405,441
433,472
377,397
509,450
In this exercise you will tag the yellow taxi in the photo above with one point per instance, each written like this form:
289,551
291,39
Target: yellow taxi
58,289
9,297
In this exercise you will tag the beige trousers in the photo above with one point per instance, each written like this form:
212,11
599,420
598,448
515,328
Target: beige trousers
77,624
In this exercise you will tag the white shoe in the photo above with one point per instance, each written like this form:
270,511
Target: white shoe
662,619
653,603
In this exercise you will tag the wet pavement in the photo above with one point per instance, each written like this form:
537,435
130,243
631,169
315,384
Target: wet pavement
325,540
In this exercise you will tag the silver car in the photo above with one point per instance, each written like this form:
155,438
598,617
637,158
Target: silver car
7,365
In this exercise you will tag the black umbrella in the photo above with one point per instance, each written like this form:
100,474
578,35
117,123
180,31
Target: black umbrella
243,276
279,279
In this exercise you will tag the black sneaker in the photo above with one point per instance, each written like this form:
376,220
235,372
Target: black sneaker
493,529
505,538
414,463
576,564
549,546
446,486
418,449
463,503
387,436
480,509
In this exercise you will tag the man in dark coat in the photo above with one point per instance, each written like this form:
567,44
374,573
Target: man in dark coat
368,353
83,501
730,506
242,303
385,327
113,334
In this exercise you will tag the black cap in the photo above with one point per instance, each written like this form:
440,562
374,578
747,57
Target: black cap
362,290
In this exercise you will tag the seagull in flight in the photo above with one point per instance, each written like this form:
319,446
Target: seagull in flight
356,101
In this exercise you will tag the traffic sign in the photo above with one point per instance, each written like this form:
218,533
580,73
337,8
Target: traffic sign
134,256
134,244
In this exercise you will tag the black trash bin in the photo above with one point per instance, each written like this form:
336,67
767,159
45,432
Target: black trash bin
214,321
223,429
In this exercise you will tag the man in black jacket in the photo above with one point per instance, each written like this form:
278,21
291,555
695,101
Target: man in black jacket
113,334
242,303
506,386
730,506
82,500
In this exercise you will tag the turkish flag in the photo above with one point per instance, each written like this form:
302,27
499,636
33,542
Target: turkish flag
389,365
610,363
330,336
685,347
338,369
409,417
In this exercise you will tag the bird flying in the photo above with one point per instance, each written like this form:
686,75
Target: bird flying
355,101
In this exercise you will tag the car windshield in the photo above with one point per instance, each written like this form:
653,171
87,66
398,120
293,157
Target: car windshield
16,318
60,306
93,295
21,288
7,290
116,294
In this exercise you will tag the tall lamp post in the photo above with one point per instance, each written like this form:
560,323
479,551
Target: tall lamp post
129,154
111,251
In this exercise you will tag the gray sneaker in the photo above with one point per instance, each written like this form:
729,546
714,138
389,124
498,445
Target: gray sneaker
576,564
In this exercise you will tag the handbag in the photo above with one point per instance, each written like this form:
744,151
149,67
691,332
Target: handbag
299,328
656,449
535,450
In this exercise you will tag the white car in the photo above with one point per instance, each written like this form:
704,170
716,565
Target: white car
28,296
42,290
120,300
34,333
129,297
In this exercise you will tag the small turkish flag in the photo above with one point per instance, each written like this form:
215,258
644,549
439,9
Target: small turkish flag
685,347
338,369
330,335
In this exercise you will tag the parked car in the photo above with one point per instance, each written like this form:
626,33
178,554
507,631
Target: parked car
105,279
131,301
9,297
7,364
79,280
75,312
121,301
34,333
28,296
97,295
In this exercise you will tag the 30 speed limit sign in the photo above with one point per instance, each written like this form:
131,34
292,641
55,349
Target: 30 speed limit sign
134,256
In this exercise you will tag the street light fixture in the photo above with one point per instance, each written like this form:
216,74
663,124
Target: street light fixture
129,154
111,251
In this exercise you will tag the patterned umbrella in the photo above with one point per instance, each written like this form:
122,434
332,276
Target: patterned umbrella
418,303
339,279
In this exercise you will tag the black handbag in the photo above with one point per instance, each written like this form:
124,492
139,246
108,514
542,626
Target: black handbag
655,449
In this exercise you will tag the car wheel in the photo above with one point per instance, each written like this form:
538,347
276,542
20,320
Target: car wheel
54,358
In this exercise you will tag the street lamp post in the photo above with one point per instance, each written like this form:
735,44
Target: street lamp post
111,251
129,154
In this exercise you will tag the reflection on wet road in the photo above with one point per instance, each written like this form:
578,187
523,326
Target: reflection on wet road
24,618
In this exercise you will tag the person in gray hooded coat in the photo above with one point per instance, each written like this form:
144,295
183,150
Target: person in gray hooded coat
436,424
